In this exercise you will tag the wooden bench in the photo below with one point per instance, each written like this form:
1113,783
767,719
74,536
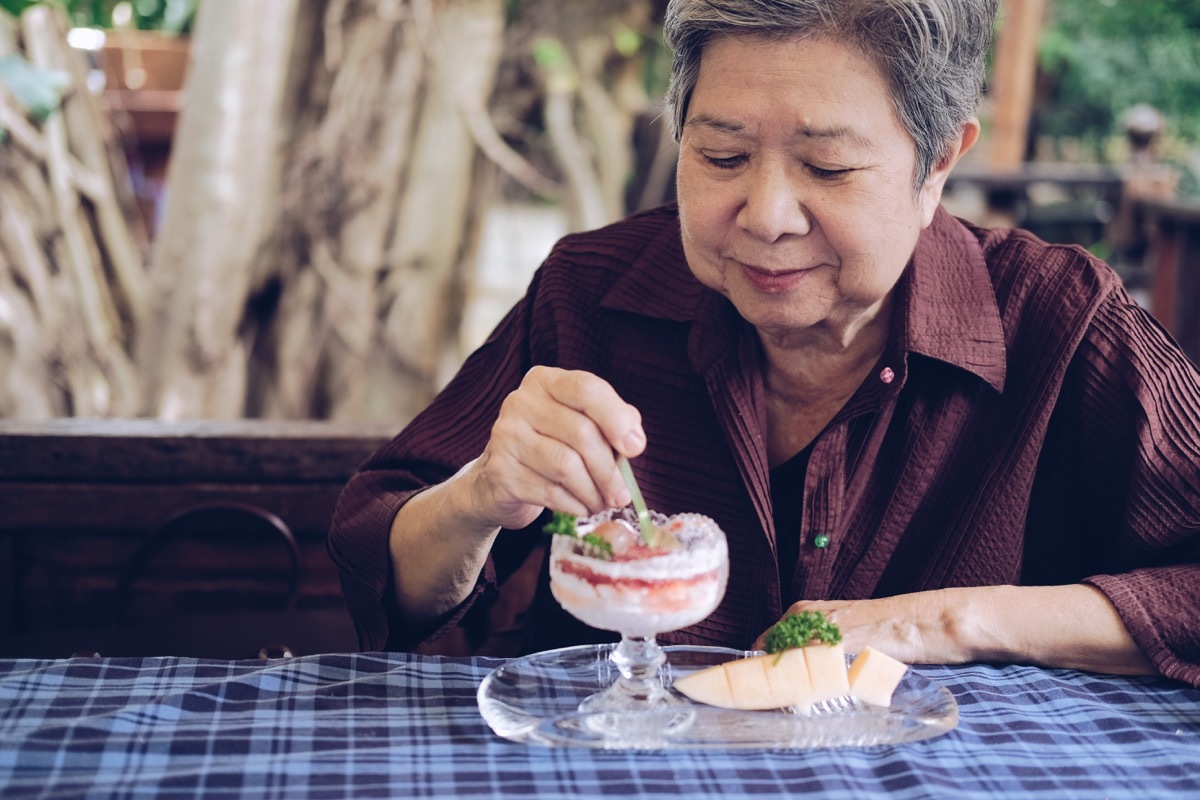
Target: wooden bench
78,497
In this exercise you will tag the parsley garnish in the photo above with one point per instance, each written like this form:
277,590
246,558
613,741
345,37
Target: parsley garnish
801,630
563,524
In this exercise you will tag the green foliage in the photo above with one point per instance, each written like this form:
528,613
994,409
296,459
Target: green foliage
15,7
171,16
1103,56
37,91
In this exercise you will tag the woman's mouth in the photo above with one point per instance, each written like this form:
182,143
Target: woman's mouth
773,281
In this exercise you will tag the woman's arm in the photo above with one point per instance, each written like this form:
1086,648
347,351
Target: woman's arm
554,445
1072,626
438,551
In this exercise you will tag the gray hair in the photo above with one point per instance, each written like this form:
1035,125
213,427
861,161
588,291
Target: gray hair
931,53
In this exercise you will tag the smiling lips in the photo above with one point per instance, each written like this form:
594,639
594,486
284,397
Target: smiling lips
773,282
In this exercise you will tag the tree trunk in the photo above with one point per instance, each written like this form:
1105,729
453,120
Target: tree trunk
226,162
334,197
383,201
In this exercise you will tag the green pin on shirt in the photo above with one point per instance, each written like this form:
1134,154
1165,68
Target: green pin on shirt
821,540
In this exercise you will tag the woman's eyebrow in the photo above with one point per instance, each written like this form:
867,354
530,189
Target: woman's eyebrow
709,121
809,132
839,132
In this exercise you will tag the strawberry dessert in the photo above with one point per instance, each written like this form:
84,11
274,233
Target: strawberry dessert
614,577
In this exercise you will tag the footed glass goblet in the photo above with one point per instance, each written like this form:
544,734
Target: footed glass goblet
639,589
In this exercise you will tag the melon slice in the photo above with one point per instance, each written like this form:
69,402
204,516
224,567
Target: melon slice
874,676
787,673
796,677
748,686
709,685
826,671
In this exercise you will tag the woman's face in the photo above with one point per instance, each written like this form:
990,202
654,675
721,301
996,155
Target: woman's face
795,184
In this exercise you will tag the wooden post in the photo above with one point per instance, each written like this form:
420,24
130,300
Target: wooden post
1014,72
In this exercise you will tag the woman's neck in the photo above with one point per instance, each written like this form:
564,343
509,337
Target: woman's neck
810,375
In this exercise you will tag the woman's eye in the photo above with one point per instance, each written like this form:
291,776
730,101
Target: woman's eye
820,172
725,162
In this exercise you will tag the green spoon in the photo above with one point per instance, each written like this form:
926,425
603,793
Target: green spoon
639,505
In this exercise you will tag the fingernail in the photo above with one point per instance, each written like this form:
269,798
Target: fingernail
621,499
633,441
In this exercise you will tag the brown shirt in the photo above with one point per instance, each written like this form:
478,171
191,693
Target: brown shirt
1033,426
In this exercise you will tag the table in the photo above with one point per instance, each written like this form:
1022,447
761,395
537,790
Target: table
402,725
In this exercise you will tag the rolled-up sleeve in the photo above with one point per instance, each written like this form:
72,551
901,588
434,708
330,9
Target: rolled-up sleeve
1141,426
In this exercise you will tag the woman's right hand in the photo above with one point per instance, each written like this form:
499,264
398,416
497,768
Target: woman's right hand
555,445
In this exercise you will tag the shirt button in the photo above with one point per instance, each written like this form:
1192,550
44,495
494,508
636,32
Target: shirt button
886,375
821,540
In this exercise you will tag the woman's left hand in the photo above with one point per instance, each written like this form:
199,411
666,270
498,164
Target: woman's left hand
1073,626
915,628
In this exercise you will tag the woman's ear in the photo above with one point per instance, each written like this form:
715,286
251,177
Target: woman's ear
931,192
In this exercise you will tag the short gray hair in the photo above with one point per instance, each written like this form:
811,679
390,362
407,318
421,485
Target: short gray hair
931,52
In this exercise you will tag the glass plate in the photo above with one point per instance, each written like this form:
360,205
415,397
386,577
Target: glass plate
535,699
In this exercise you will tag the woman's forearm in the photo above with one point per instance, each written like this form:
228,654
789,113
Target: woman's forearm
438,548
1073,626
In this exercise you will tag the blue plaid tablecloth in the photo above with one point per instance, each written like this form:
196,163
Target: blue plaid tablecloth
399,725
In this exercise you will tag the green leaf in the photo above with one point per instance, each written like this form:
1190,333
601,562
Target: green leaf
561,524
549,54
38,91
801,630
626,41
602,547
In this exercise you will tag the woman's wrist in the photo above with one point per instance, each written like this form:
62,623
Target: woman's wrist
976,625
463,500
438,544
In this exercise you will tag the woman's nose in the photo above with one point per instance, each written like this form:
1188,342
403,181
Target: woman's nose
774,205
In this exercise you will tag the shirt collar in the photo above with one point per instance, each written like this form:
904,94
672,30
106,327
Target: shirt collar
950,307
946,298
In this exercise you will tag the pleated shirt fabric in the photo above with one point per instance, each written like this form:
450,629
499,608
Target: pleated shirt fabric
1028,423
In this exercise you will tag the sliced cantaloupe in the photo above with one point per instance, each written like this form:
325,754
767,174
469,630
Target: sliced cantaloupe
741,684
748,686
796,677
787,673
709,685
874,676
826,671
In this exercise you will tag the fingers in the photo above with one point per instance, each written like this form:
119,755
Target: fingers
619,423
896,625
553,443
855,619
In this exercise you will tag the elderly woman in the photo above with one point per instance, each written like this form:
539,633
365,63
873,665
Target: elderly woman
962,444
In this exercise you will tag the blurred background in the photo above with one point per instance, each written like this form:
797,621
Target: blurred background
312,210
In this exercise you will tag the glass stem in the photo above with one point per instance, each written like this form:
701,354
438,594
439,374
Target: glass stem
639,658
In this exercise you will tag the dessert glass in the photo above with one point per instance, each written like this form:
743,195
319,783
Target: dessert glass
642,592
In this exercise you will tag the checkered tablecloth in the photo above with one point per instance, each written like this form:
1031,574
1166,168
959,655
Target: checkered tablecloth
398,725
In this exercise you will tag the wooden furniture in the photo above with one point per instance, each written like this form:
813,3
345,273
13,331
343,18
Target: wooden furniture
1173,263
79,497
1087,196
